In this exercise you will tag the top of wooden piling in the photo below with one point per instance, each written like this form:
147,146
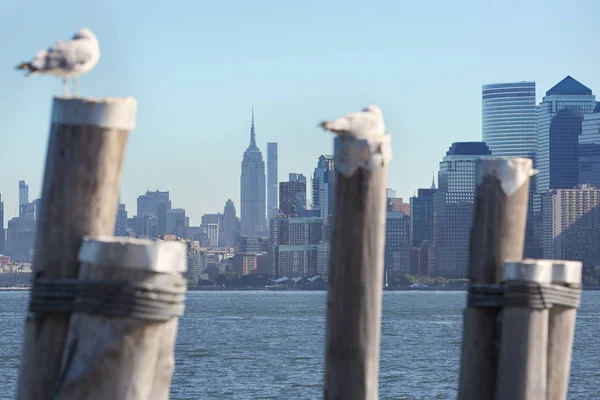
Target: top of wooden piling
110,113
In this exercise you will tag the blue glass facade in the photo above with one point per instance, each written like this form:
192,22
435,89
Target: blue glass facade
509,118
559,124
589,149
453,208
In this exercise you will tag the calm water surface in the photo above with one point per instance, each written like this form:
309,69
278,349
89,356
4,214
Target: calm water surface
269,345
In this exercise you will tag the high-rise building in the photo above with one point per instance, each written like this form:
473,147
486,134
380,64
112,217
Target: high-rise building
21,238
295,245
272,179
176,221
292,195
509,118
589,149
229,224
147,204
559,124
397,244
2,232
323,186
398,204
453,208
571,225
252,190
23,193
121,221
213,223
421,213
213,234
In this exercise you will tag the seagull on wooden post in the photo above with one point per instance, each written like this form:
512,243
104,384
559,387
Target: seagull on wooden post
66,59
361,125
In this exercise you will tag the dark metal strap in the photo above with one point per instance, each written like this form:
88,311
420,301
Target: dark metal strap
485,295
524,295
107,298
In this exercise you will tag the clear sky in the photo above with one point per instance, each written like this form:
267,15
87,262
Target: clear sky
196,67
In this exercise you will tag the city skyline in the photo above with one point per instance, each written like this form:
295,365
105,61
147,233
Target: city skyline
431,62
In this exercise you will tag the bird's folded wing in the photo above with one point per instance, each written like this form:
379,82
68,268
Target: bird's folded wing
64,55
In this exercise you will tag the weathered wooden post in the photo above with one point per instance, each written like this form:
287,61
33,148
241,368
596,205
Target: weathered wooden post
497,234
122,334
561,327
356,268
79,197
524,334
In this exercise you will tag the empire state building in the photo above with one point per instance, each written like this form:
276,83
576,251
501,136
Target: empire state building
253,189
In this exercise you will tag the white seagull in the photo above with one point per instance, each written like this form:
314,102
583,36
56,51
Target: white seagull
66,59
363,124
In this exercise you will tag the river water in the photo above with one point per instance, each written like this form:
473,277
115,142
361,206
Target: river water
269,345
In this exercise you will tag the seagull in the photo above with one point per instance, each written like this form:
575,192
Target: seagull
66,59
362,124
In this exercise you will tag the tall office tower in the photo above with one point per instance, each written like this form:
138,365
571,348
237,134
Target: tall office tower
559,124
252,189
589,149
121,221
421,213
2,232
295,245
23,195
292,195
323,186
272,178
229,224
509,116
148,204
397,244
176,221
571,225
453,208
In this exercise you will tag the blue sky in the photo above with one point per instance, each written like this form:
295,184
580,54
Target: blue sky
197,67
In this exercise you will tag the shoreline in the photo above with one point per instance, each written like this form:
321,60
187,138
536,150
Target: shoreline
249,289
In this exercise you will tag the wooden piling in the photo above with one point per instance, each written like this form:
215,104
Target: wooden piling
561,331
524,338
497,234
356,269
127,354
79,197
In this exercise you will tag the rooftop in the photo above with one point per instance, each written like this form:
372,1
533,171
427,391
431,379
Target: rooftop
469,149
569,85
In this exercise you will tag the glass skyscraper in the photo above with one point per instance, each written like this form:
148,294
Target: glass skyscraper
453,208
589,149
559,123
509,118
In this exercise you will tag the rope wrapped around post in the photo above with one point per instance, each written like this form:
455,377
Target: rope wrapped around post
539,301
125,314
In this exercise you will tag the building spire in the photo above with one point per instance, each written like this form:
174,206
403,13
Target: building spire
252,133
433,180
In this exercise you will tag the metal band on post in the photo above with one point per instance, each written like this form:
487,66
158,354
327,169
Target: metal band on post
524,335
122,343
566,276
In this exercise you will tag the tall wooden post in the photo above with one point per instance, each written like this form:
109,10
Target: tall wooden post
356,268
79,197
524,336
497,234
120,345
561,331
